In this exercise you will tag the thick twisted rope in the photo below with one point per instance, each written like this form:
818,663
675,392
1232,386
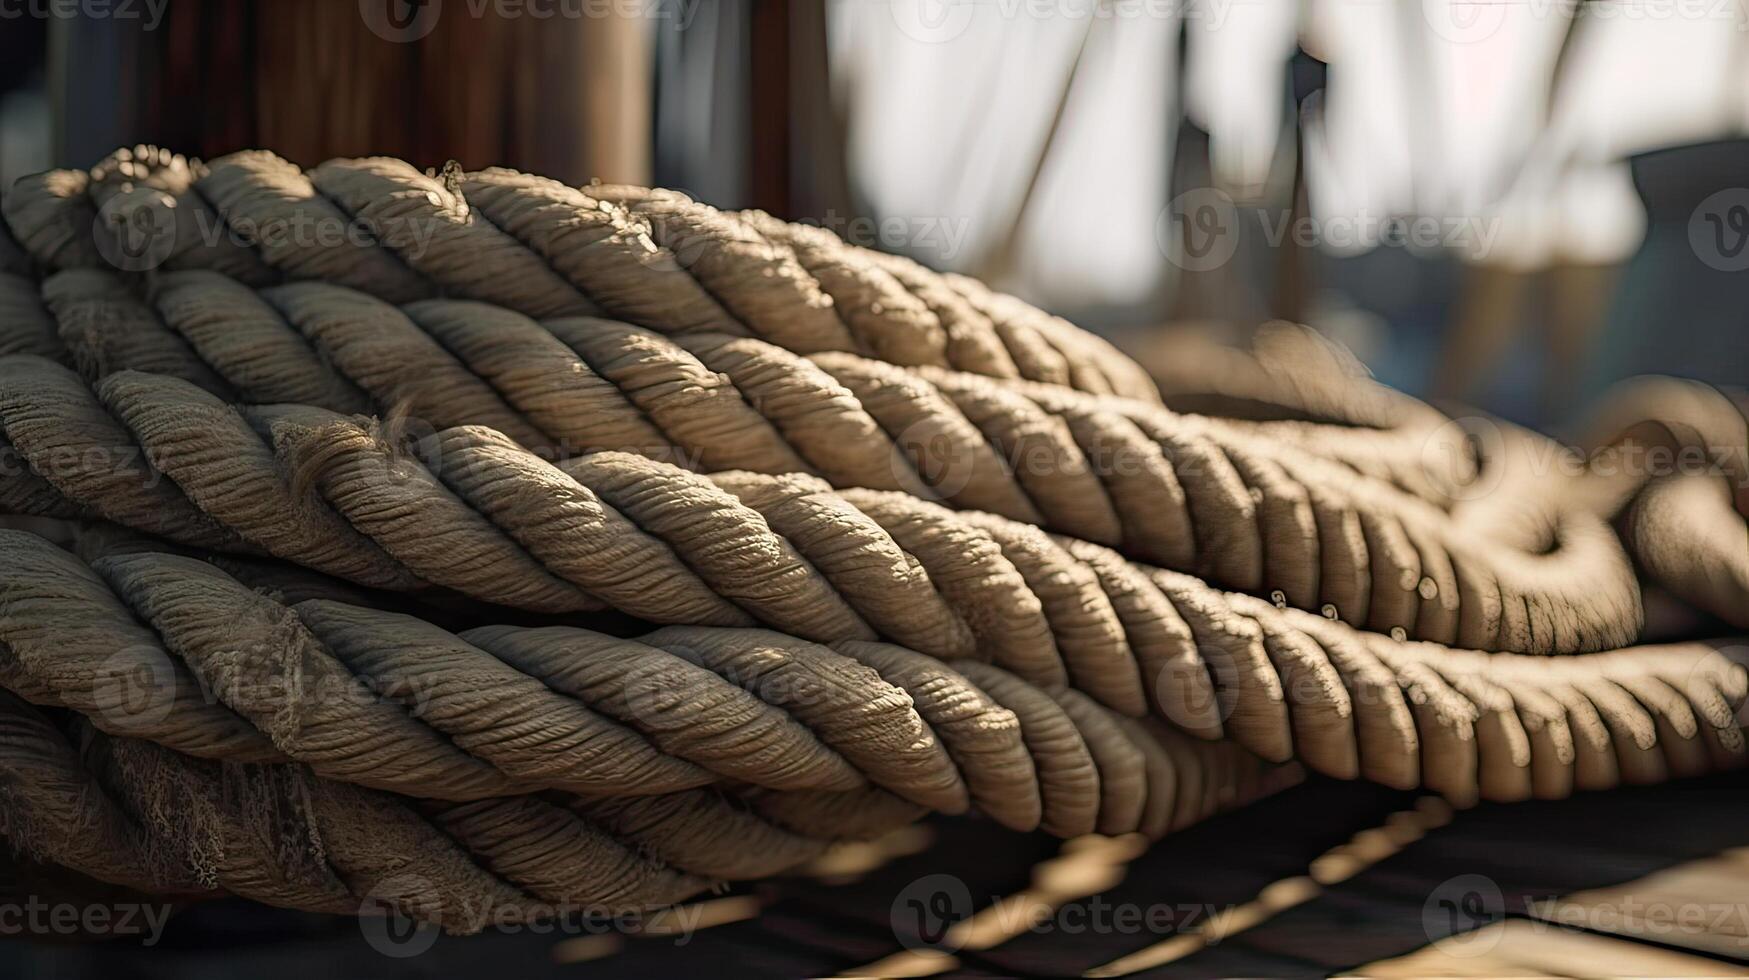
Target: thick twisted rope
1180,491
481,516
319,754
486,518
1672,459
441,235
1667,459
131,812
1299,387
172,649
533,245
836,397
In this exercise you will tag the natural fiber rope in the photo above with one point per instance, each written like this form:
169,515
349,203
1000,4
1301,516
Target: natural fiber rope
536,246
1294,385
481,516
834,395
1504,727
1280,683
1667,459
1179,491
386,703
133,813
1674,458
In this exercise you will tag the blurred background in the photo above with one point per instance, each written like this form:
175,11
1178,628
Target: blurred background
1507,202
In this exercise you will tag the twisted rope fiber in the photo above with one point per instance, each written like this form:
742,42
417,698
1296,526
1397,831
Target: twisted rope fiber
397,704
331,492
788,551
1687,519
483,517
1467,724
648,734
530,244
1666,459
1180,491
1296,386
130,812
1193,674
396,204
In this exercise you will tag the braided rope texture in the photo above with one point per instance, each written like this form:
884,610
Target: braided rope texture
919,546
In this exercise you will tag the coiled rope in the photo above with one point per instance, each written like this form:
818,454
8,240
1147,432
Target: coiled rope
227,740
1666,459
534,245
1179,491
906,532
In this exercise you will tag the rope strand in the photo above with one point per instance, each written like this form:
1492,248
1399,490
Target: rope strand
1178,491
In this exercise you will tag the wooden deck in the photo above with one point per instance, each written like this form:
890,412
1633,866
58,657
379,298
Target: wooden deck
1321,879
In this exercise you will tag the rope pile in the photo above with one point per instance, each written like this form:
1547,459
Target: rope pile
537,548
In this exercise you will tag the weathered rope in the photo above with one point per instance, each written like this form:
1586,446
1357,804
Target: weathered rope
1667,459
474,513
1406,714
785,551
1672,457
526,456
1294,385
130,812
526,243
312,755
1180,491
391,702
